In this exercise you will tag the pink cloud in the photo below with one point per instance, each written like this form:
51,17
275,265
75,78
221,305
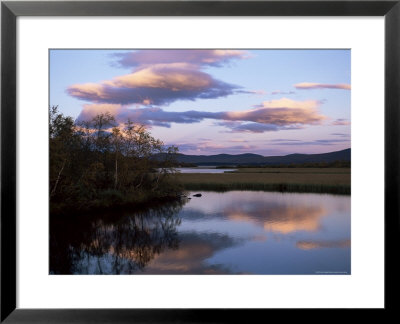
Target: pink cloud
282,112
311,85
208,146
200,57
160,77
157,84
175,77
90,111
289,103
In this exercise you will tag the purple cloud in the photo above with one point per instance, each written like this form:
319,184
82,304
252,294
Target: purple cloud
279,92
211,146
198,57
270,116
340,134
312,85
341,122
279,140
239,127
315,142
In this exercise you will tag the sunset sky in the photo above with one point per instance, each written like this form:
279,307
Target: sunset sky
269,102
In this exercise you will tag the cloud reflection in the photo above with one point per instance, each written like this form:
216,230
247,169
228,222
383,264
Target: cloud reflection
273,212
281,219
309,245
191,256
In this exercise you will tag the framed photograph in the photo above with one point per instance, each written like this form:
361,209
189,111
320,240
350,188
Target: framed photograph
196,160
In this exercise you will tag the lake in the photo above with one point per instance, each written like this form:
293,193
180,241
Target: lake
204,170
235,232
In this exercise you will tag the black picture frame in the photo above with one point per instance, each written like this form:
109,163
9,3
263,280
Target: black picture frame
10,10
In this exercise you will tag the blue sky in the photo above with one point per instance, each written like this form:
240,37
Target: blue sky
269,102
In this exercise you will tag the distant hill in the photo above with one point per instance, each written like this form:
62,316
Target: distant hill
255,159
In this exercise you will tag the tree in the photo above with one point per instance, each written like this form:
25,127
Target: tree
99,163
117,140
62,140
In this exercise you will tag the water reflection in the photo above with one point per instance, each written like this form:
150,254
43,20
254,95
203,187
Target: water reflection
204,170
232,232
307,245
193,250
107,243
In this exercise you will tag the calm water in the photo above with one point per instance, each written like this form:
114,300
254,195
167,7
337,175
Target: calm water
237,232
203,170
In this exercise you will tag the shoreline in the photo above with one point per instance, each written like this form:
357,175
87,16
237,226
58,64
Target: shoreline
276,187
63,210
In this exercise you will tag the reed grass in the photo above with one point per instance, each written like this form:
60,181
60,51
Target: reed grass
315,182
294,170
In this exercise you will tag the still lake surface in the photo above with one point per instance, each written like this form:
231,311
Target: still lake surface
235,232
203,170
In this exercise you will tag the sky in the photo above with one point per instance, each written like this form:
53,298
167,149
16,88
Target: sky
213,101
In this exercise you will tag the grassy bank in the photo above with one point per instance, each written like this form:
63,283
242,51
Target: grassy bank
336,181
295,170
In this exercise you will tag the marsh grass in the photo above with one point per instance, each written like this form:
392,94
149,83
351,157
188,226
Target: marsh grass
283,180
294,170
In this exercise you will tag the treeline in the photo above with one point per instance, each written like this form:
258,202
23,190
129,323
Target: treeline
101,164
186,165
334,164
